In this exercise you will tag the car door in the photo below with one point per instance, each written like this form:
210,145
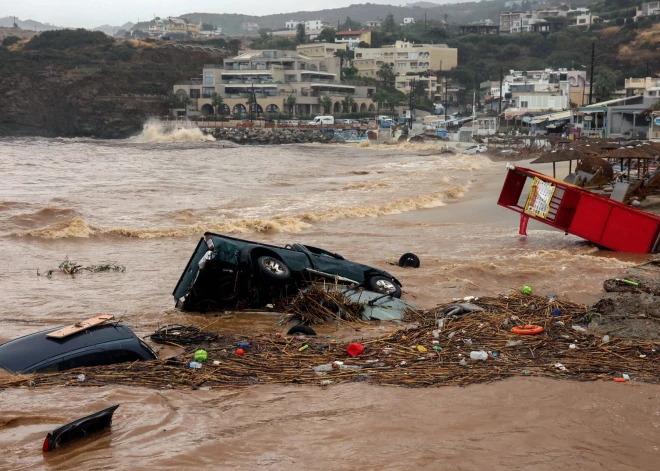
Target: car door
327,262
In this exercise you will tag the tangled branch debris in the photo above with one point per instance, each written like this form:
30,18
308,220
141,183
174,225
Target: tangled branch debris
563,350
320,304
182,335
72,268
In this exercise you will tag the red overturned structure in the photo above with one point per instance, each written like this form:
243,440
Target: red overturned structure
580,212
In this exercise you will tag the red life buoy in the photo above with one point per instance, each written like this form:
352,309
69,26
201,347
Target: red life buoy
527,330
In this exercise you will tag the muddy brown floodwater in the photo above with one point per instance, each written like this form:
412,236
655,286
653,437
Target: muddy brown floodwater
144,202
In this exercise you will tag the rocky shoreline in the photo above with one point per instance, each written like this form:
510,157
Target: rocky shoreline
261,136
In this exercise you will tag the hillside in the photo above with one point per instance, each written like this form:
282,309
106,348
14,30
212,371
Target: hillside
79,83
8,22
458,13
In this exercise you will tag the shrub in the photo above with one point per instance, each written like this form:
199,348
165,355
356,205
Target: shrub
9,40
620,21
67,38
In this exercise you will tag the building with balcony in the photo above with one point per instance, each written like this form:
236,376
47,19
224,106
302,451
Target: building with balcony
405,57
353,38
516,22
372,24
273,77
316,50
637,86
648,9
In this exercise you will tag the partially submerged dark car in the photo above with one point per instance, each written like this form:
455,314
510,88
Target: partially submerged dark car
224,272
104,344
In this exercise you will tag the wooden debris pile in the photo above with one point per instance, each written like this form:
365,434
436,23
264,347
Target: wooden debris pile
436,352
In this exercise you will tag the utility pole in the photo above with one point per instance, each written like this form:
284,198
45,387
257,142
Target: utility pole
501,91
426,39
591,79
446,101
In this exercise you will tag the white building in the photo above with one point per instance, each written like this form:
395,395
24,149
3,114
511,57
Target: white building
408,21
316,24
292,24
648,9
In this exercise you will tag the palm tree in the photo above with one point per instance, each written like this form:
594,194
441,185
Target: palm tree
348,103
217,102
379,97
251,104
290,102
326,103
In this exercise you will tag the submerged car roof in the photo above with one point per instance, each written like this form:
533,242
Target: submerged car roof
23,352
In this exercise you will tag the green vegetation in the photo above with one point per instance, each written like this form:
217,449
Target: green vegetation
327,35
301,35
9,40
67,38
267,41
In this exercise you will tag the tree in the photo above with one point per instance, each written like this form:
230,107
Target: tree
363,44
386,74
326,103
394,99
348,103
251,104
605,83
350,25
446,17
174,101
301,34
379,97
343,57
327,35
389,25
9,40
349,73
216,102
207,27
620,21
234,46
291,102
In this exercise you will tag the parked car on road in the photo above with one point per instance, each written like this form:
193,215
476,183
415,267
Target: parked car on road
103,344
224,271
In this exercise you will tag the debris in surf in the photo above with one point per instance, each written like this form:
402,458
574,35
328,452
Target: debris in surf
72,268
393,359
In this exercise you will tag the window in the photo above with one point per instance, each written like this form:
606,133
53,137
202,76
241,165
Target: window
208,78
414,55
207,92
94,358
524,104
401,65
194,93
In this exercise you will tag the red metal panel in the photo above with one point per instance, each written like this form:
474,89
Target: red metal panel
512,188
590,217
629,231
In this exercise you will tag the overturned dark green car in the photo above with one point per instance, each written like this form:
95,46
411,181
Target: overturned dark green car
225,272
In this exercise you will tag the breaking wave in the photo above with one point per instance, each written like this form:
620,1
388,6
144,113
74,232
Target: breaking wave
78,227
156,132
45,215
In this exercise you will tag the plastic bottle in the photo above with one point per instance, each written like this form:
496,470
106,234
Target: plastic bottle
436,334
606,338
194,364
322,368
478,355
462,362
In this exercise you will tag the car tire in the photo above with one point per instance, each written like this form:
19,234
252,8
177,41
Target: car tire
409,260
383,285
301,329
273,268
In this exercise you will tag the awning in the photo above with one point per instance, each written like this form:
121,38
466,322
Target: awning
248,85
330,85
593,109
551,117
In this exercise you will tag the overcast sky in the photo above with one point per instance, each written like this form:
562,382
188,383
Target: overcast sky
89,14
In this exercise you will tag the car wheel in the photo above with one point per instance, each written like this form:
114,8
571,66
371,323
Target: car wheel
301,329
409,260
383,285
273,268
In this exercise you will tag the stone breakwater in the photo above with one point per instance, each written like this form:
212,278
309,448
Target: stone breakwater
260,136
